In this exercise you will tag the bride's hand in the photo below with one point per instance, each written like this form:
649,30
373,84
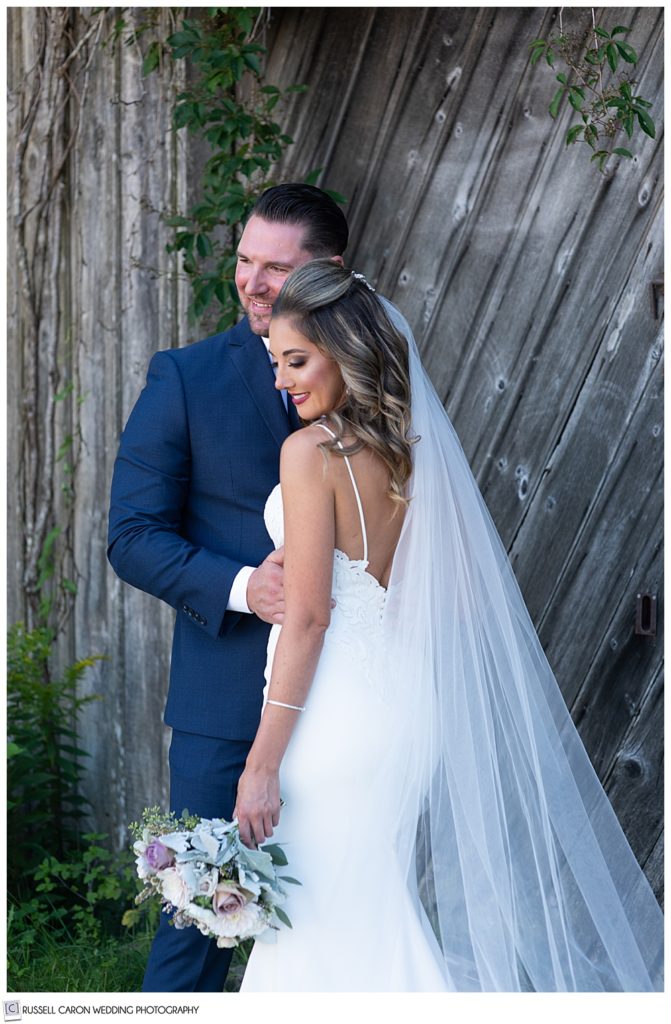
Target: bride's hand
258,805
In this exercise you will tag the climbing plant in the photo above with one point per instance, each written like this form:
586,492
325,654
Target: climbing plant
228,104
597,87
47,107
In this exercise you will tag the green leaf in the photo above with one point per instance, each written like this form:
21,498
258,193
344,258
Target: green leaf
283,917
625,89
49,542
204,246
556,102
592,57
538,42
619,30
646,122
562,78
573,133
67,390
602,32
575,101
288,878
297,88
627,52
277,853
335,196
591,135
245,20
252,61
536,55
623,152
640,102
550,57
152,58
313,177
611,54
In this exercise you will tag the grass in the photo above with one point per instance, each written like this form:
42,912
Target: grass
55,965
115,965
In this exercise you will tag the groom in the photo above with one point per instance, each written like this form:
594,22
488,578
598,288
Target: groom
197,460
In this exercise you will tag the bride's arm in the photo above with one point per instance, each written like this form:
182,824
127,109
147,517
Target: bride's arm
309,537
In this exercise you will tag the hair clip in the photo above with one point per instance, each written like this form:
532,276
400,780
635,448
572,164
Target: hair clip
359,277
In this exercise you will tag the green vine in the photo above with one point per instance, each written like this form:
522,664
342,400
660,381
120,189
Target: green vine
606,108
228,105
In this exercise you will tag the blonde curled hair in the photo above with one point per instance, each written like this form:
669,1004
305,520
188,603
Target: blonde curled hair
339,312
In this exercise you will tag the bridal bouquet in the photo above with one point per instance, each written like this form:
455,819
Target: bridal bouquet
201,869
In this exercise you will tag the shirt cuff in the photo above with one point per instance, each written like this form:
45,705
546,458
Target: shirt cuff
237,598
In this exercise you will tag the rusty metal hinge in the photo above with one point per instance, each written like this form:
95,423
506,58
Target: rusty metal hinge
646,615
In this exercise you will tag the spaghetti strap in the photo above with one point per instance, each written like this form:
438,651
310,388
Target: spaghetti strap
356,489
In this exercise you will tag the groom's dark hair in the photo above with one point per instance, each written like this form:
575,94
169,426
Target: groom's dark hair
294,203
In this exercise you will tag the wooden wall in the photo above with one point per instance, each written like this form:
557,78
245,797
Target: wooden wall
527,278
117,299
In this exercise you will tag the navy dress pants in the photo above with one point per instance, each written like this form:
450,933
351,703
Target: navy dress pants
204,773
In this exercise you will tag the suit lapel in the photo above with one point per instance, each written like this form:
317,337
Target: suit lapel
294,418
249,356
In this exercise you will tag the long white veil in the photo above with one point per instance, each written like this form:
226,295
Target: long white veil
524,872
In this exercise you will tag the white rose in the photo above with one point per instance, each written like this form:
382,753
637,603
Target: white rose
174,888
240,924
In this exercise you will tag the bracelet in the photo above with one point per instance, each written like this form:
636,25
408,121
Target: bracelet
280,704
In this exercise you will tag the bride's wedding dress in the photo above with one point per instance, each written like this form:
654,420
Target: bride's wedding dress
356,925
436,746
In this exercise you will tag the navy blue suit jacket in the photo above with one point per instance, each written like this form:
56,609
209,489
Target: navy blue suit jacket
197,461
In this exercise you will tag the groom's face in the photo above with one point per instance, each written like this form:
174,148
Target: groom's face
267,254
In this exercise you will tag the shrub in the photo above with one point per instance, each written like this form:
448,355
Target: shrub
45,805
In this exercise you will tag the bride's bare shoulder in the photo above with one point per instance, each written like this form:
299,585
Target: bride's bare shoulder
302,451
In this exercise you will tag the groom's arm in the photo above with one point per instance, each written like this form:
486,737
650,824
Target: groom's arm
149,491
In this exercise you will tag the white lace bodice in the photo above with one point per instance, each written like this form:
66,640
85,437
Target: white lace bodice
356,618
358,595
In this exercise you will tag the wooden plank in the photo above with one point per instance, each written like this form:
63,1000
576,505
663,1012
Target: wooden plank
16,64
625,371
127,306
635,785
654,869
616,554
570,258
98,619
612,683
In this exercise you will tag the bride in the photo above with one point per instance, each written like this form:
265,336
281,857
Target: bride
437,805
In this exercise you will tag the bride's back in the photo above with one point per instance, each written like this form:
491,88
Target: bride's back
383,517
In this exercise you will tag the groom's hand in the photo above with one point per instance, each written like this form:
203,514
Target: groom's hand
265,589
